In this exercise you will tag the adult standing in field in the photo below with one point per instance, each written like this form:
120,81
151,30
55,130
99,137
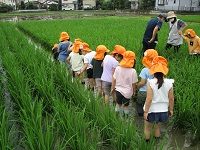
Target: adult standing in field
63,47
176,27
124,82
150,38
144,75
88,56
101,52
160,98
193,41
110,62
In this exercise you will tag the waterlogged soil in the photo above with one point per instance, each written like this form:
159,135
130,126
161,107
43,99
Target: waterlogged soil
176,139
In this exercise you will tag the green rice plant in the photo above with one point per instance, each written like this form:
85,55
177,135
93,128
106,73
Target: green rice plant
125,31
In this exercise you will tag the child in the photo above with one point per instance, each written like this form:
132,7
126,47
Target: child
160,98
63,47
54,52
88,56
101,52
193,41
75,59
176,26
149,55
124,81
110,62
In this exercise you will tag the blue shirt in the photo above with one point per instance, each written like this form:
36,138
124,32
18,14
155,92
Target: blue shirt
63,47
150,27
144,74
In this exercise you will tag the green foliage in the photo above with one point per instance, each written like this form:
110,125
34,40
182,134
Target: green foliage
22,6
146,5
53,7
5,8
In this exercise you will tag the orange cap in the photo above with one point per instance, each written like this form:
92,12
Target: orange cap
78,39
118,49
159,65
128,59
100,52
149,55
76,46
55,45
190,32
86,47
64,36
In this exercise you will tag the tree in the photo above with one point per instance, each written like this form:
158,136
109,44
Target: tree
22,5
146,5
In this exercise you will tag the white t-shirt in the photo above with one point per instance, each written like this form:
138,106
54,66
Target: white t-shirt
125,78
88,58
109,64
160,100
76,61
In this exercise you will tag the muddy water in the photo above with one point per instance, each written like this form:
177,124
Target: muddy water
176,139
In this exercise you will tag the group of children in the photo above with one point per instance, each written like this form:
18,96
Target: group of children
114,74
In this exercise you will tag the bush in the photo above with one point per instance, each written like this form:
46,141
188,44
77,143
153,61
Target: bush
6,8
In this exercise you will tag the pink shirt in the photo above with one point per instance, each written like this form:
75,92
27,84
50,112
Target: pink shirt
125,78
109,64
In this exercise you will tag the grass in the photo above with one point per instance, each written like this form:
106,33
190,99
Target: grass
54,109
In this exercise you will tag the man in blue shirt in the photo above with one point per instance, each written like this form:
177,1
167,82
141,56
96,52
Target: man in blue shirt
150,38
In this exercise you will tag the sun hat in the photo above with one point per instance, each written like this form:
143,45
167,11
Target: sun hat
64,36
118,49
100,52
171,14
190,32
159,65
78,39
149,55
76,46
128,60
86,47
54,46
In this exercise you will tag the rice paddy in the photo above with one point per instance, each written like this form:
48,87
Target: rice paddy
51,112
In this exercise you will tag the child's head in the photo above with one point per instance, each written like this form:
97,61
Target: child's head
149,55
128,60
64,36
159,64
54,48
101,52
85,49
77,47
118,52
190,33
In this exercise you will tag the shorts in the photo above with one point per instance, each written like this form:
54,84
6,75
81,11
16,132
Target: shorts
107,87
141,97
121,99
89,73
157,117
99,83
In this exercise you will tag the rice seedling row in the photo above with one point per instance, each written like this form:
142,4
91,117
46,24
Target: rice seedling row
51,111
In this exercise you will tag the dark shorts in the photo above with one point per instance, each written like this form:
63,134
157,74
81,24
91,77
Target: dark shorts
147,45
90,73
157,117
121,99
141,97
